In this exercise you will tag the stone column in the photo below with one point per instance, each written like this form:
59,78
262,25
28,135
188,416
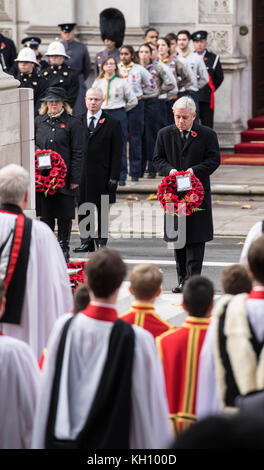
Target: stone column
17,128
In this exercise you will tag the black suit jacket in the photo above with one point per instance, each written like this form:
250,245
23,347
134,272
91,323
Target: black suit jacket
201,153
102,158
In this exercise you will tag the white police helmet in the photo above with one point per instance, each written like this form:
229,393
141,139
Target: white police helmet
57,48
27,55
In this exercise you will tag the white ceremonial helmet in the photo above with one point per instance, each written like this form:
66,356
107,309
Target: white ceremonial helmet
27,55
57,48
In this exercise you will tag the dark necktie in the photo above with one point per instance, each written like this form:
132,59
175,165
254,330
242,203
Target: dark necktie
184,137
91,125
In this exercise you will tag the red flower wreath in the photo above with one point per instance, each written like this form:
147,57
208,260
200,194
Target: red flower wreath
173,203
56,177
78,278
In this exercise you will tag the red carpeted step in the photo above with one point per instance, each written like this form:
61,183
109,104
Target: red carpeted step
256,123
242,159
247,147
252,135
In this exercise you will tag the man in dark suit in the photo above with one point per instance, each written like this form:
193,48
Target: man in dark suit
188,146
216,76
102,163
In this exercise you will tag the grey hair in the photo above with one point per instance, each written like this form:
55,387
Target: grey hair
97,90
14,182
185,103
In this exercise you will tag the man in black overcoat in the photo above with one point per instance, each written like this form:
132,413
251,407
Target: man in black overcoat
187,146
101,167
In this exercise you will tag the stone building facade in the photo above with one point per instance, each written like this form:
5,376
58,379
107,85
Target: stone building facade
229,23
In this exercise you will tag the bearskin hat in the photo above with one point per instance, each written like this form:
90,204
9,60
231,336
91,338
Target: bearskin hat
112,25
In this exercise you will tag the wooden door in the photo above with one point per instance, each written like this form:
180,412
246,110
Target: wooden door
258,58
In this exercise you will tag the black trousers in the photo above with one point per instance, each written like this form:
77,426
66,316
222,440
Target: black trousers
189,260
64,228
206,114
99,240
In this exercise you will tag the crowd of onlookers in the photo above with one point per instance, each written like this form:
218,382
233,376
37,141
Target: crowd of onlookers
140,85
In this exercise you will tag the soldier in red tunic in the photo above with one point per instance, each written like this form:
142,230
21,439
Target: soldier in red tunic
180,350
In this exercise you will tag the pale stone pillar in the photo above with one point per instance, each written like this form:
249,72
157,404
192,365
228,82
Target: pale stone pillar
17,128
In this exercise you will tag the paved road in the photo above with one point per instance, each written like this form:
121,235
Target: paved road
219,253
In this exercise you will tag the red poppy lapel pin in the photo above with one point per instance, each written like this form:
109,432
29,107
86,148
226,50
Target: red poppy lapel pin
63,126
3,45
102,121
194,134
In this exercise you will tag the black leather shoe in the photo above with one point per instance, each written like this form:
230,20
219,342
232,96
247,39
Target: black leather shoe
85,247
152,175
122,183
178,289
134,178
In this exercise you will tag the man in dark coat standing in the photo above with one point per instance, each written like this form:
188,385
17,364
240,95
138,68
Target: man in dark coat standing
188,146
101,169
7,52
216,76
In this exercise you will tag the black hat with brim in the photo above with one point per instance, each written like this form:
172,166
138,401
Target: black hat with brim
198,35
112,25
55,94
67,27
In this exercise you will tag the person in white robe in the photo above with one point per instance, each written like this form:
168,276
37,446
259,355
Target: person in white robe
19,378
254,233
248,369
47,292
85,354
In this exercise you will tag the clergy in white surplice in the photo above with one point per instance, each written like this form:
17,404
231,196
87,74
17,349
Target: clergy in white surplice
32,266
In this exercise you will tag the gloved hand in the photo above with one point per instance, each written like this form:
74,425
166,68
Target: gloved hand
112,185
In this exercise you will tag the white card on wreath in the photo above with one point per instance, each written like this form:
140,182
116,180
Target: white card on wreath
44,161
183,182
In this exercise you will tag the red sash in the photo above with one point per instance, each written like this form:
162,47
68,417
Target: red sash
212,88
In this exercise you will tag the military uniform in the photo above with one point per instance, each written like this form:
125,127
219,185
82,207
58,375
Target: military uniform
36,82
101,56
206,94
64,77
79,62
7,52
216,76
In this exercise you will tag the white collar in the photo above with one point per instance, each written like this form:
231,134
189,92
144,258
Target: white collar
97,115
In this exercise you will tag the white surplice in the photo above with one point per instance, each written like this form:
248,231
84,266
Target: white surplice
208,397
19,379
84,358
47,292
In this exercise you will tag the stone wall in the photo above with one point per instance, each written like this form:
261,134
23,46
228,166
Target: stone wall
17,128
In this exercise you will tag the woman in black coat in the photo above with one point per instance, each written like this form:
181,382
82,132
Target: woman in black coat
57,130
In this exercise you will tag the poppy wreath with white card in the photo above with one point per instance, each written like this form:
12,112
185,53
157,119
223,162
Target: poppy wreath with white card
50,172
174,196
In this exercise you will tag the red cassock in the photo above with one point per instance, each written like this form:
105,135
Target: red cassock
180,350
143,314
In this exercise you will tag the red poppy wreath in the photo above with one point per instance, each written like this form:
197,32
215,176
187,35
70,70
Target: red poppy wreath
55,178
180,203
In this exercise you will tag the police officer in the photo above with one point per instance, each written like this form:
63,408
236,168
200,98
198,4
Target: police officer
112,26
79,61
34,43
216,76
28,75
7,52
60,74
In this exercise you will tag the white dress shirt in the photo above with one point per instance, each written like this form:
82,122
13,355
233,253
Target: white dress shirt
97,117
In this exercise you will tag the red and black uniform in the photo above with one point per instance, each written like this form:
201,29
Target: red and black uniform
143,314
206,94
